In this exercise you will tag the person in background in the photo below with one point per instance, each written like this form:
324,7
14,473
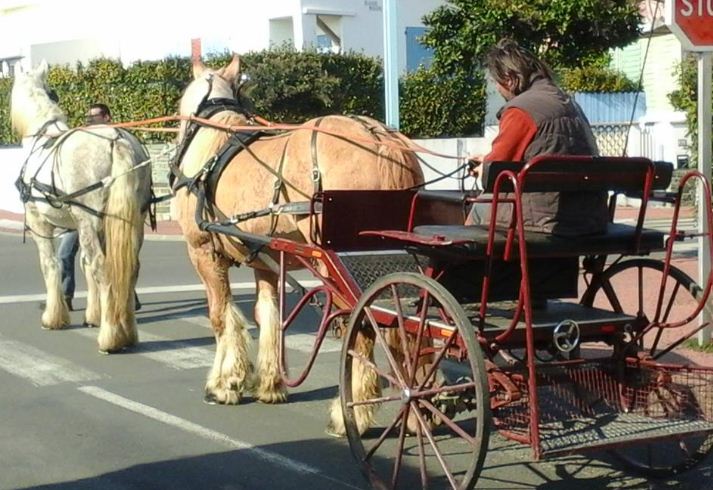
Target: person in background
69,241
538,118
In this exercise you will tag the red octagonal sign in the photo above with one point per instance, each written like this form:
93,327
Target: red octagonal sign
692,22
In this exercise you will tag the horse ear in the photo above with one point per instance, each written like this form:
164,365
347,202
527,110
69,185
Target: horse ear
43,68
198,68
231,72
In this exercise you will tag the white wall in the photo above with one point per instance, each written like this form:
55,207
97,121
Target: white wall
11,160
140,29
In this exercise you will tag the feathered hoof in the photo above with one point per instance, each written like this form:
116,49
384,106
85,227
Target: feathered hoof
90,325
223,397
52,327
333,431
273,396
106,352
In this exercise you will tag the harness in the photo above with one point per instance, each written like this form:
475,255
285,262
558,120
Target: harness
205,182
50,194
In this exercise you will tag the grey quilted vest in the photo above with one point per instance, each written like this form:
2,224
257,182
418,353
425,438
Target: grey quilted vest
562,128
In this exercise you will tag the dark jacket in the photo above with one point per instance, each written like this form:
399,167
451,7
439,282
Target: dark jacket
562,128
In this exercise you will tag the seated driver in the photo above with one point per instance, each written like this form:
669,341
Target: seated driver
537,119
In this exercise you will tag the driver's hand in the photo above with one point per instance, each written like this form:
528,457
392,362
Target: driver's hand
474,162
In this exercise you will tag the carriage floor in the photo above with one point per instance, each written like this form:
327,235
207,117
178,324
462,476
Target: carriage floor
569,436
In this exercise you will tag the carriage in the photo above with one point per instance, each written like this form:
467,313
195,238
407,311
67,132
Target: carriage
564,344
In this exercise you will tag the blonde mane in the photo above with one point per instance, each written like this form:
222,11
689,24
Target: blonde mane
30,105
207,142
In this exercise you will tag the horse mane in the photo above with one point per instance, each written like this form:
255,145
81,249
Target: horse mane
31,107
208,141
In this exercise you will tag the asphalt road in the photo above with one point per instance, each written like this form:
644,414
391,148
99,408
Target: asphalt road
72,418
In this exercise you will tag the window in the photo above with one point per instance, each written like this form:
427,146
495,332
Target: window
416,53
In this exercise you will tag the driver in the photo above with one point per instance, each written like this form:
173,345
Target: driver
539,118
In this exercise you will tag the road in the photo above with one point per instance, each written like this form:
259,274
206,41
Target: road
72,418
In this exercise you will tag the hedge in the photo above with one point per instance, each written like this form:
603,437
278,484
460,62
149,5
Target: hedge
282,85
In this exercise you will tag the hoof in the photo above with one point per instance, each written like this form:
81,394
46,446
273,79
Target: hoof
90,325
106,352
225,398
274,397
333,432
210,399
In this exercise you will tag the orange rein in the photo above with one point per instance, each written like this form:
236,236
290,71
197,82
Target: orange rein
267,125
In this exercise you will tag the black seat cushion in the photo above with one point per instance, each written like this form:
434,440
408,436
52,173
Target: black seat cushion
619,239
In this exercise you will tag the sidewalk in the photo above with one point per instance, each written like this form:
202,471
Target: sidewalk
165,230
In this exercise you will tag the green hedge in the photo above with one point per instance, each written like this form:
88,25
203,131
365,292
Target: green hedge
283,86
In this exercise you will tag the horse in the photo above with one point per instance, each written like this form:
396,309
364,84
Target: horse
86,179
331,152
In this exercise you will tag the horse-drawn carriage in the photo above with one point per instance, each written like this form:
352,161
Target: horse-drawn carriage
454,329
562,343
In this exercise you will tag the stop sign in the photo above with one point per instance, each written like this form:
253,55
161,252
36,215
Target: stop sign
692,22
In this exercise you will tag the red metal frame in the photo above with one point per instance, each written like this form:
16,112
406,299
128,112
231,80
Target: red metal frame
341,292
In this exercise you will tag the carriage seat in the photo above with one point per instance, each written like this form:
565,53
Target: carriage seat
619,239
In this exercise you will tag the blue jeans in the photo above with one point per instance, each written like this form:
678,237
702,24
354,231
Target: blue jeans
66,252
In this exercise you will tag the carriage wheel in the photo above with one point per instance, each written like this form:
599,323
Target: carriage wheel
424,399
632,287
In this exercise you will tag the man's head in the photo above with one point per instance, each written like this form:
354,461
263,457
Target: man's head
514,69
98,114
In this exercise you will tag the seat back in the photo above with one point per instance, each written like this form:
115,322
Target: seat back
580,173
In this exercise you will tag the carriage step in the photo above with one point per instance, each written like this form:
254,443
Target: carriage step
499,315
614,429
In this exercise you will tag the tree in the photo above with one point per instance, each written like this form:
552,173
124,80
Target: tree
565,33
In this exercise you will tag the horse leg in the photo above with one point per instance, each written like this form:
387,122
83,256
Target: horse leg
56,314
231,371
91,260
269,386
365,386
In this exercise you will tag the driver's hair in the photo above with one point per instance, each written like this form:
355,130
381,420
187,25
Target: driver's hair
508,60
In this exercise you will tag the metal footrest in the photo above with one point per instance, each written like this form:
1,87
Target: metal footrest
367,267
604,403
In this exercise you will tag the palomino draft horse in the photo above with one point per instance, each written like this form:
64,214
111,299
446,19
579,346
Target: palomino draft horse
332,152
82,179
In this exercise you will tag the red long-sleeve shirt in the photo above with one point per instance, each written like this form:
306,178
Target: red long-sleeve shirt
517,129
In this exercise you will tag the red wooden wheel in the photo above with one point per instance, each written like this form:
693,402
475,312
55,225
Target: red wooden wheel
413,387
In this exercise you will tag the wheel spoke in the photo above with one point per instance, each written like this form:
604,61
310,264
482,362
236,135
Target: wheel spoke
400,448
385,346
402,330
448,421
434,445
434,365
373,366
384,434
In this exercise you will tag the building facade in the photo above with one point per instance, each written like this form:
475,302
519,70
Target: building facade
67,31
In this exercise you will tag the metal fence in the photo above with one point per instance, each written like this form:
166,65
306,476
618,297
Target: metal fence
611,138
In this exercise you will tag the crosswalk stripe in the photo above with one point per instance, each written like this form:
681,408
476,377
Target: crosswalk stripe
176,354
39,367
301,342
180,354
275,459
236,286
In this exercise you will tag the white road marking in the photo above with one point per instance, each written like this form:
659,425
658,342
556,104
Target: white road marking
39,367
236,286
176,354
206,433
301,342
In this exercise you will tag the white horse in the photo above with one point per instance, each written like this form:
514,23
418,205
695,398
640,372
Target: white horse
61,164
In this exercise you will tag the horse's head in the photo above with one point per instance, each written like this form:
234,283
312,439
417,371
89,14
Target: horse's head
32,102
208,84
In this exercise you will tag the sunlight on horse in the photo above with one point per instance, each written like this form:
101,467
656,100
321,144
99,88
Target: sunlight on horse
109,220
342,153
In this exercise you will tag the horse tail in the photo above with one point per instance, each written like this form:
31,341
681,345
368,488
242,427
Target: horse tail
123,232
398,163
